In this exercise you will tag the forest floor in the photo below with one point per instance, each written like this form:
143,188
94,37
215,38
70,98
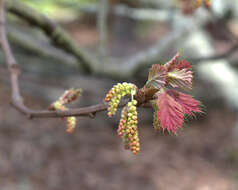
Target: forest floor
38,154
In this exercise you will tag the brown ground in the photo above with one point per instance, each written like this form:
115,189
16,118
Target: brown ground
38,154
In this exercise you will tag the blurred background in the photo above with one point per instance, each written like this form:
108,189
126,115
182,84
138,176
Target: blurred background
122,38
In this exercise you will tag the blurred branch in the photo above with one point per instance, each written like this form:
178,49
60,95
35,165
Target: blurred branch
102,27
133,13
91,63
25,41
63,40
224,55
59,37
145,58
142,13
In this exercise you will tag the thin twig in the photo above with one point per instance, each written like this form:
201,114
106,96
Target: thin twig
17,100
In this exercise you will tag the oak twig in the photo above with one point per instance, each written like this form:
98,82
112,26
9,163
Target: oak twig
16,98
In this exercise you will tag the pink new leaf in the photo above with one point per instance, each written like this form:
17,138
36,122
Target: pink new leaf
170,113
157,76
187,102
171,63
183,64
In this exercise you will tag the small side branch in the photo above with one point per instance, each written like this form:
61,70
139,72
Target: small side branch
14,70
16,98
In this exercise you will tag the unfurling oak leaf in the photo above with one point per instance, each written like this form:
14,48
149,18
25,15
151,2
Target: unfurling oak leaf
170,113
182,64
187,102
180,78
157,76
179,73
172,62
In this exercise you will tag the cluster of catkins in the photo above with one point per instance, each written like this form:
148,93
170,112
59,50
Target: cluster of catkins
127,128
69,96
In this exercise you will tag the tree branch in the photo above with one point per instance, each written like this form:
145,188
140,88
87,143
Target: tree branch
34,45
128,68
224,55
151,14
16,98
59,37
102,27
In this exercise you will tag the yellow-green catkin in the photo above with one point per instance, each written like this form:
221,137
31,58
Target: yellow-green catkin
116,93
128,129
132,129
71,123
156,123
123,122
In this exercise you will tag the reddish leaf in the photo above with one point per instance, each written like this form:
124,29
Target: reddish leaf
172,63
180,78
187,102
157,76
170,113
183,64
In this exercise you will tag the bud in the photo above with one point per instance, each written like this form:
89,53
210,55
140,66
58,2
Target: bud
70,96
57,106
